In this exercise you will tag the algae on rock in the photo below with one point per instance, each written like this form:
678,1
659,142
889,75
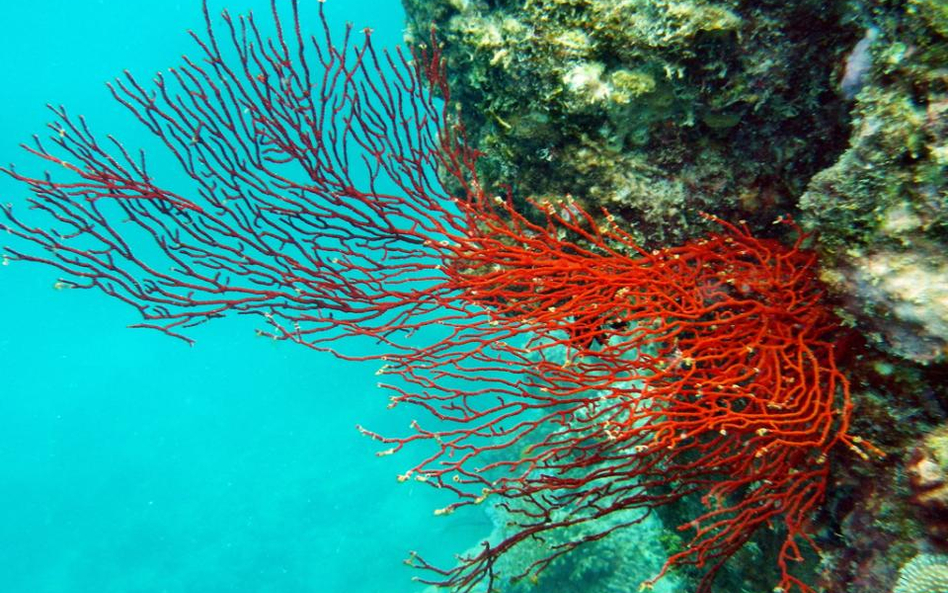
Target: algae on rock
655,109
882,208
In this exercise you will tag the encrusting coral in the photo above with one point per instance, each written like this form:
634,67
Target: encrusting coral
657,109
926,573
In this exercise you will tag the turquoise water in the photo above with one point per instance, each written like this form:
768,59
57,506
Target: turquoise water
131,462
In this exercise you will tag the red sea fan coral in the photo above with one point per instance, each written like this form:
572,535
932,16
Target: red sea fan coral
561,371
642,377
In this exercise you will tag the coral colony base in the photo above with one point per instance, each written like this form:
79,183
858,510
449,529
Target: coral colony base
559,370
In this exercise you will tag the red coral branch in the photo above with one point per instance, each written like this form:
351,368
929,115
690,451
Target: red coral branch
563,371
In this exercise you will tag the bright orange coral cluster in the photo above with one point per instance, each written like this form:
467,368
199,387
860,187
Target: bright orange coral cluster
632,379
559,369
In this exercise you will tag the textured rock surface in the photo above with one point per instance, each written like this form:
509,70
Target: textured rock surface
655,109
882,208
927,472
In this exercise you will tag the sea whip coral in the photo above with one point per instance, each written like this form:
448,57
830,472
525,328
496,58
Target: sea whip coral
562,371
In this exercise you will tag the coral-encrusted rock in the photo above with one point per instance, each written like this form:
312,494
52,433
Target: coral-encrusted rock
658,109
926,573
927,472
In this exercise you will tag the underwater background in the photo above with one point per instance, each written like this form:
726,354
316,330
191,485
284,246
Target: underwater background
131,462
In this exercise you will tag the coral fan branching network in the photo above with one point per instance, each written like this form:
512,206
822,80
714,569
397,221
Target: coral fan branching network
559,369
